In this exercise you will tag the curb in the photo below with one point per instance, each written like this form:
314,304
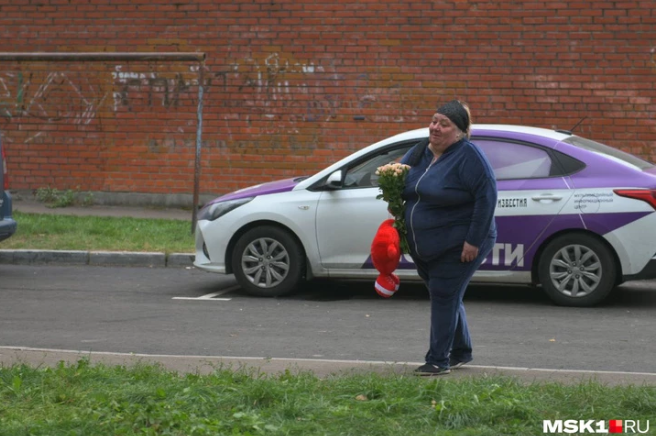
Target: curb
96,258
40,357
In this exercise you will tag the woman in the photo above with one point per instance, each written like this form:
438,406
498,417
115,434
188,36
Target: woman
450,196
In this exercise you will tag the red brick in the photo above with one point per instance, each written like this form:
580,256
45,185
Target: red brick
286,79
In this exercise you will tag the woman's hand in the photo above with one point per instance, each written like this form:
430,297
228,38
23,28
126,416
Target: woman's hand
469,252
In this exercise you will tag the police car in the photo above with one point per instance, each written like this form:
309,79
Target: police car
574,216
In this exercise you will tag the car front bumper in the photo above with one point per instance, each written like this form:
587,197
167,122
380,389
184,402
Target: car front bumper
212,262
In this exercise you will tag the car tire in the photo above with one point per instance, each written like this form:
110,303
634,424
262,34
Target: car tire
577,270
268,262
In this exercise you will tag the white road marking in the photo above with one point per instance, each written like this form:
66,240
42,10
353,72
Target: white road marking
201,298
211,296
292,360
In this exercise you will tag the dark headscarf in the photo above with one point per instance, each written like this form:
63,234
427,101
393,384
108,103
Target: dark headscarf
456,112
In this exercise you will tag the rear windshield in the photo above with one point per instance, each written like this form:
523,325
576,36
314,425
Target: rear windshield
609,151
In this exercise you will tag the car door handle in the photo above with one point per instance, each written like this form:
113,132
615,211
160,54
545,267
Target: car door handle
549,197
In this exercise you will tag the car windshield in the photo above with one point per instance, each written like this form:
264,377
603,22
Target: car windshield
611,152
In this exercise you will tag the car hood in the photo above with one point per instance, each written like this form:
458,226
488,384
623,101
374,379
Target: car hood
262,189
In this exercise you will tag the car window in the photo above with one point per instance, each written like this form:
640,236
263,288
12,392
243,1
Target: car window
511,160
610,152
363,173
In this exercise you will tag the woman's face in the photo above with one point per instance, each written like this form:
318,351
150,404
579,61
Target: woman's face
442,132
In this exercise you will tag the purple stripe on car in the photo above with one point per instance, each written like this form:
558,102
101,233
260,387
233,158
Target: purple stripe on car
603,223
517,230
603,171
285,185
532,232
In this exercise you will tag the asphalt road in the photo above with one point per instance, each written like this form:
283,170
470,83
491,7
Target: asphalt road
188,312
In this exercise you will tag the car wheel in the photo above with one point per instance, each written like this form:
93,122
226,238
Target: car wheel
268,262
577,270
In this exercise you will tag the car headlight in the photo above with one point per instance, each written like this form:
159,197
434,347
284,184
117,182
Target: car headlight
215,210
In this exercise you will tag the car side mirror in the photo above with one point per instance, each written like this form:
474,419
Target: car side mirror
334,181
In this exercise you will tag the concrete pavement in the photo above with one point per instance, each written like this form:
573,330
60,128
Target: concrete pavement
33,206
320,367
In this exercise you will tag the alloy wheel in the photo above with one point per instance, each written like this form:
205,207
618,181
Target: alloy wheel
265,262
575,270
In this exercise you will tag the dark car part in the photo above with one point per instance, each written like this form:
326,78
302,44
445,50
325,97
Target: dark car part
7,223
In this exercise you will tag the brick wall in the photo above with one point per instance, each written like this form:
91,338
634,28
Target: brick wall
291,86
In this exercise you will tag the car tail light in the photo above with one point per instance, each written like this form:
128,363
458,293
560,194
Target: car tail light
4,169
648,195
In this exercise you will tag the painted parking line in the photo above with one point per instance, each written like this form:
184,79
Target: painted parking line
213,296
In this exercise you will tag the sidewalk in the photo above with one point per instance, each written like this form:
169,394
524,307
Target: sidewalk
98,258
33,206
320,367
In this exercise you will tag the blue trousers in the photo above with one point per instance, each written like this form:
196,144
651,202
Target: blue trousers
447,279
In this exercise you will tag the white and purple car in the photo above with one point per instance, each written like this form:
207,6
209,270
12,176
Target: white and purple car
574,216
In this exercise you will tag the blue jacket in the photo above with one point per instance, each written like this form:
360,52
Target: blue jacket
449,202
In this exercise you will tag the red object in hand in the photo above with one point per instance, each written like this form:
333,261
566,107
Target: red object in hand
386,254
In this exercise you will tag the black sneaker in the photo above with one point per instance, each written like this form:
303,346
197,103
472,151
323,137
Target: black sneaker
428,369
457,363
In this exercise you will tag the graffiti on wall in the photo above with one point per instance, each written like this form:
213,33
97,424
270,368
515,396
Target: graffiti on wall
83,98
151,89
276,98
42,97
294,99
283,101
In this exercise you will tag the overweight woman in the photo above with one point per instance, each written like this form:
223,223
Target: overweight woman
450,194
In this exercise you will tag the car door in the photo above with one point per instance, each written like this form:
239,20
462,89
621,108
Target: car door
348,217
532,191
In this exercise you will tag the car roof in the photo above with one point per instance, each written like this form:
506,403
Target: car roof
527,130
558,135
477,129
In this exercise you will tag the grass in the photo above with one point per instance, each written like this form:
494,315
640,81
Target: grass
85,399
64,232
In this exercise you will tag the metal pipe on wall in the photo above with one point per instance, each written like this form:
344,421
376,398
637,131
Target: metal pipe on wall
199,142
117,56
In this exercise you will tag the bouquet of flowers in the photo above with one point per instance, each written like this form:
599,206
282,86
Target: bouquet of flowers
391,180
